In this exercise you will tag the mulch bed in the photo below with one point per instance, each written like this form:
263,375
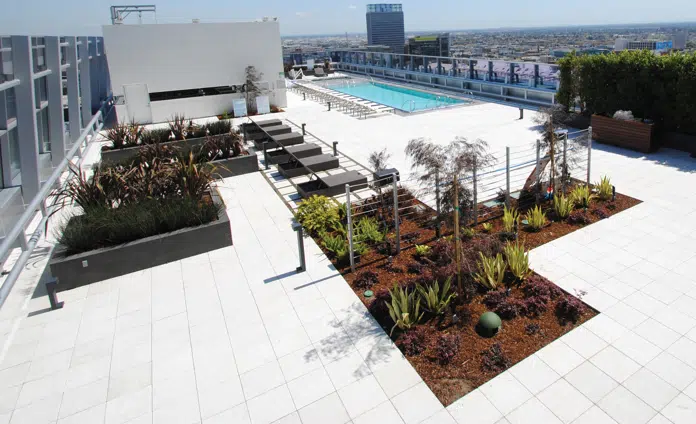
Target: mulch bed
519,337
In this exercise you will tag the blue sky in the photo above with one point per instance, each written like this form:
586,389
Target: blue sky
338,16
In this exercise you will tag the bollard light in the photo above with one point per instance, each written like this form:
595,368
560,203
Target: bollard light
335,150
297,227
304,132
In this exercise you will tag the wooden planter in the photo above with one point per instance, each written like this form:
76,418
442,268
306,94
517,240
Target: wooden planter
629,134
100,264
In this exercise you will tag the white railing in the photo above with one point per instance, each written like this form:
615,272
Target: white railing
38,204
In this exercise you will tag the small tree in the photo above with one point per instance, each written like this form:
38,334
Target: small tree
378,161
252,87
442,163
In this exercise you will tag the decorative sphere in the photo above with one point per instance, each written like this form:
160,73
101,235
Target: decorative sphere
489,323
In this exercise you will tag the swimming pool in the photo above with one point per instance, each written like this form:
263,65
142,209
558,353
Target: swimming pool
401,98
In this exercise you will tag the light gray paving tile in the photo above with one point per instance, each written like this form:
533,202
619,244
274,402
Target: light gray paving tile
565,401
505,393
626,408
584,342
396,376
361,396
685,350
262,379
532,412
93,415
657,333
327,410
682,410
636,347
310,387
474,408
534,374
651,389
299,362
594,415
281,400
591,381
84,397
348,369
672,370
129,406
384,413
560,357
442,417
237,415
416,404
43,412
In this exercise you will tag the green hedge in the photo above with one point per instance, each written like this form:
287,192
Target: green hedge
661,88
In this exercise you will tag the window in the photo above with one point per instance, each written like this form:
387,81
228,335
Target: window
41,91
11,105
6,71
15,166
42,131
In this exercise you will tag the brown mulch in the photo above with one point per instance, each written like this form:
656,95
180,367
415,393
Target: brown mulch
465,372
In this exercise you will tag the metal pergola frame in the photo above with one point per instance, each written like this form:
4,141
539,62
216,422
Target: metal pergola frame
120,12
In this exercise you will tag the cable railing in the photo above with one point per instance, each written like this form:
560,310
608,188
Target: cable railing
38,204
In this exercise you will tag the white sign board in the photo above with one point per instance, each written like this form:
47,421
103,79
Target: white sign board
310,64
240,108
262,105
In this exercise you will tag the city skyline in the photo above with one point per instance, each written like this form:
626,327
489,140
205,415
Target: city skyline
305,18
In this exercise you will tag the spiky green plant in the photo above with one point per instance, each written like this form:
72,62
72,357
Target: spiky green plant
536,218
582,196
491,270
517,260
179,126
118,136
563,206
605,190
404,308
423,250
192,179
318,215
436,300
367,231
511,219
487,227
337,245
468,233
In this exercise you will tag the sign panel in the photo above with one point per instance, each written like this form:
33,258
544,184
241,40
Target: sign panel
262,105
240,108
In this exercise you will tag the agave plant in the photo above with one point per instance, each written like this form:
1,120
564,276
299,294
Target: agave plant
536,218
517,260
511,219
491,271
582,196
404,308
605,190
437,301
563,206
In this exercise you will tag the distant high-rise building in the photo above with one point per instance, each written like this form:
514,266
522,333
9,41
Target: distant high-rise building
385,26
430,45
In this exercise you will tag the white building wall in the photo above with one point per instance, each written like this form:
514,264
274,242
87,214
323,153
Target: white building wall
171,57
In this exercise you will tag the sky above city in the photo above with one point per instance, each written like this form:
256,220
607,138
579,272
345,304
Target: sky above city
303,17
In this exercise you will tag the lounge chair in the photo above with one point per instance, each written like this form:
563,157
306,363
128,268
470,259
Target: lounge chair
280,140
331,185
319,72
299,151
307,165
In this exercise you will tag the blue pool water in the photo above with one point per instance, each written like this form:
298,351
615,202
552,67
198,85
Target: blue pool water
397,97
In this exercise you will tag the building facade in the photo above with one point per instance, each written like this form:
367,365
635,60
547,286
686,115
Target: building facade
430,45
49,89
195,69
385,26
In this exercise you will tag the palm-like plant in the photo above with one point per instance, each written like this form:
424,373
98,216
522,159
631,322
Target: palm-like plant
437,301
511,219
536,218
404,308
517,260
118,136
491,271
192,180
563,206
178,126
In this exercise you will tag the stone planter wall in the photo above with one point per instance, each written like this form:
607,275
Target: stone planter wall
239,165
120,155
101,264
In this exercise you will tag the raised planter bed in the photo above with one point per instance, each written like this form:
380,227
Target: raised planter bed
121,155
308,165
300,151
629,134
88,267
239,165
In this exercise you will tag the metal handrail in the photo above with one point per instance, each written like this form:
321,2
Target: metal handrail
37,204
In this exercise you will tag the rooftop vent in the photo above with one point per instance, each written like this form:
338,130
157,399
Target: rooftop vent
195,21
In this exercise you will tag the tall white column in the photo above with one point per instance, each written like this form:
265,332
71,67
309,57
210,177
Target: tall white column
85,83
72,74
55,100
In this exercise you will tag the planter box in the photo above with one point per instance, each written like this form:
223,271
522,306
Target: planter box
120,155
679,141
110,262
629,134
239,165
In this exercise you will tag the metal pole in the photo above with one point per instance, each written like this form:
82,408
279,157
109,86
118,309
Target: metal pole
396,214
457,241
51,292
589,153
335,150
350,229
537,170
507,177
300,246
437,205
304,132
475,195
265,155
565,163
329,103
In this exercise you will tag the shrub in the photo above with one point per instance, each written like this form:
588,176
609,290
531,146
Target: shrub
404,308
511,220
493,359
468,233
413,342
118,136
487,227
582,196
510,308
423,250
538,286
415,267
159,135
191,179
563,206
436,301
532,329
366,279
359,249
105,226
491,271
337,245
378,307
178,126
219,127
367,231
605,190
447,348
600,213
536,218
442,252
494,298
517,260
318,215
569,309
197,131
534,306
578,217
